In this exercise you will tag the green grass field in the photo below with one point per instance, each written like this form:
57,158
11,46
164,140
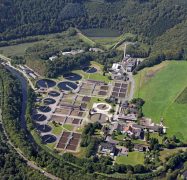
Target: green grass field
68,127
133,158
95,76
160,86
86,39
57,129
16,50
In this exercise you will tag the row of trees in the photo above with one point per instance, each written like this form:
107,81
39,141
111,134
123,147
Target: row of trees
91,143
155,59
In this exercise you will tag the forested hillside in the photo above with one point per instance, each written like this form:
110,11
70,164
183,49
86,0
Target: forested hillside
20,18
174,39
172,45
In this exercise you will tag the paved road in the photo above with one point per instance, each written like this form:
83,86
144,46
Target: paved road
131,93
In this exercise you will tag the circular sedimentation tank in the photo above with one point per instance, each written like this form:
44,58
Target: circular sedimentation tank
54,93
72,77
44,109
90,70
45,83
39,117
49,101
49,138
67,86
43,128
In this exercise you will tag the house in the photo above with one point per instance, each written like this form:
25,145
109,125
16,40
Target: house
145,121
130,67
107,148
152,128
96,50
141,147
32,75
129,64
132,131
115,127
128,117
116,67
117,76
72,52
123,151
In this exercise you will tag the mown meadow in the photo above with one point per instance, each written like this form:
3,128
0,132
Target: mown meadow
161,86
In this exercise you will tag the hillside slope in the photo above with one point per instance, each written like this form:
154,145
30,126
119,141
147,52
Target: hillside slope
170,45
160,87
151,18
173,40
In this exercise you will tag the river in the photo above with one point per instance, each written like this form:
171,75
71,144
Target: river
24,95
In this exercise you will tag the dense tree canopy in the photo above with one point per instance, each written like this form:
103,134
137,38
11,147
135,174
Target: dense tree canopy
30,17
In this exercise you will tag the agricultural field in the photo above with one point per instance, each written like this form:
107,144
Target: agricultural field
160,86
133,158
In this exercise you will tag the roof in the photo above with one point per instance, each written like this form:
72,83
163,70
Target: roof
154,128
115,126
108,145
138,126
124,149
140,146
127,128
116,66
130,117
145,121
